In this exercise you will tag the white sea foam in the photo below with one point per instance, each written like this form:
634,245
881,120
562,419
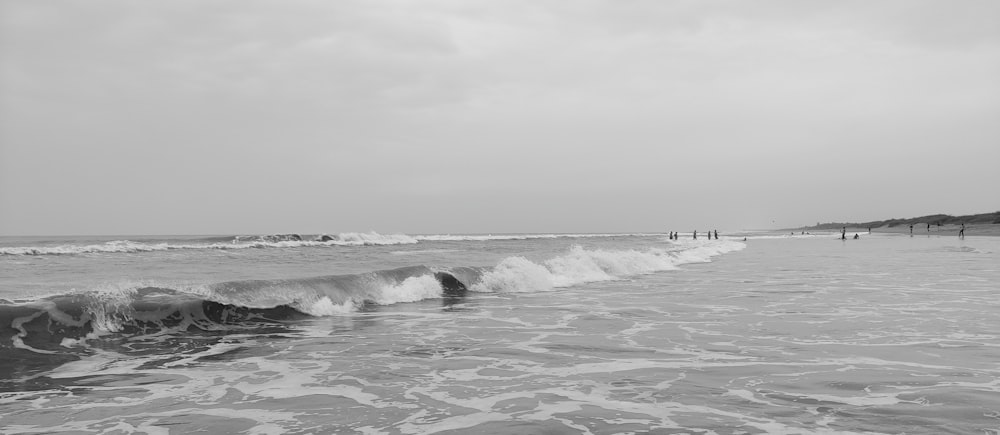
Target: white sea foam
412,289
580,266
702,251
372,238
515,275
325,307
111,309
116,246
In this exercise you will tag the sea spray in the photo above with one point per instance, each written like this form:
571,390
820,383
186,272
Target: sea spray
325,307
580,265
412,289
373,238
515,275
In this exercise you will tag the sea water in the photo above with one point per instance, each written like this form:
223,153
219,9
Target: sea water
507,334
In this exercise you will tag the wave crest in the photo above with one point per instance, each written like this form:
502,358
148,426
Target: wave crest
373,238
515,275
581,265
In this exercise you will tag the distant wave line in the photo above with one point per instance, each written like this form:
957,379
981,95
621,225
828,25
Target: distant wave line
276,241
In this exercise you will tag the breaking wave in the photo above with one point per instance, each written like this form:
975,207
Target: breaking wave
59,324
580,266
50,324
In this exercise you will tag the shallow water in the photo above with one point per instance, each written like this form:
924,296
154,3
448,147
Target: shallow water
887,334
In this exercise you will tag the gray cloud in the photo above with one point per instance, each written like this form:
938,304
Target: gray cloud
455,116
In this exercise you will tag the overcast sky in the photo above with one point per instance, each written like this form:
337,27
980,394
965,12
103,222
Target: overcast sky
221,117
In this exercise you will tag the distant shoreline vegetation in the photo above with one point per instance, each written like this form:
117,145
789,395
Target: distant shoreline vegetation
934,219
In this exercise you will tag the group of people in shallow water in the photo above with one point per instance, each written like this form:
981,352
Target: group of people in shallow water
843,234
674,235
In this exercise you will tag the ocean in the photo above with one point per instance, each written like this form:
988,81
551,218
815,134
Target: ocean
367,333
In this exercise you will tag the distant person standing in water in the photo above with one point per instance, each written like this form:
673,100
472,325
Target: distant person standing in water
961,232
843,233
695,233
911,229
716,234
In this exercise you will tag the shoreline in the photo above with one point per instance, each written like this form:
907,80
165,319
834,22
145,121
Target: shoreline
992,230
